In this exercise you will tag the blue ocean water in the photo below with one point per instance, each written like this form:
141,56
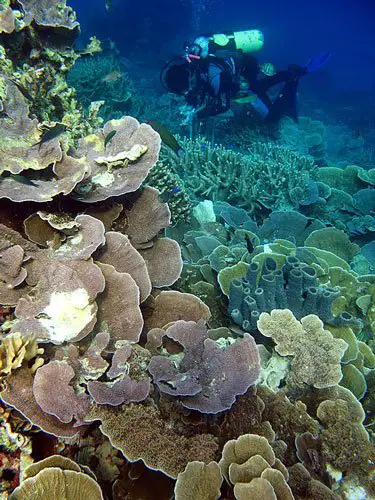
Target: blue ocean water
294,30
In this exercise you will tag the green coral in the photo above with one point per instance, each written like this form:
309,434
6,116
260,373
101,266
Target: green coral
41,72
101,78
267,176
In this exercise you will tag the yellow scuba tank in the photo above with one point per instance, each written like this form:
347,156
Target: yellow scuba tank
247,41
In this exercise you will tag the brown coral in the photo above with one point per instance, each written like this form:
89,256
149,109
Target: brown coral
316,352
164,262
19,395
63,307
199,480
57,477
121,254
119,311
55,395
171,306
122,165
146,217
249,464
141,433
49,14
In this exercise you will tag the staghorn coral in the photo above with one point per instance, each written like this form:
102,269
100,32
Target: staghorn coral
268,175
316,353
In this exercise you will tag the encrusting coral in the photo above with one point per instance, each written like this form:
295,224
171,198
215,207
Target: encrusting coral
316,354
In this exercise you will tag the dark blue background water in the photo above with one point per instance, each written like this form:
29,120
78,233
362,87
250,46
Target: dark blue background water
151,30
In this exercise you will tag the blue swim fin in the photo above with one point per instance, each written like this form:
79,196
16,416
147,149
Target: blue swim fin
317,62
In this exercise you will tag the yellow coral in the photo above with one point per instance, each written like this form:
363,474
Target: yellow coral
16,348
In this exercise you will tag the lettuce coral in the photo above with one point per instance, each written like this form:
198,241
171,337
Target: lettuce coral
206,378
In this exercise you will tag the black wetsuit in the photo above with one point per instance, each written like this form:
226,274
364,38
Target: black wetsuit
217,81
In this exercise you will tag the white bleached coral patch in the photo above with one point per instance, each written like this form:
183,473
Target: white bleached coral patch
67,314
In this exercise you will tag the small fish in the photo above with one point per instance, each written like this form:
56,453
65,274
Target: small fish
108,5
268,69
26,94
18,178
108,137
166,137
51,133
249,244
168,195
111,77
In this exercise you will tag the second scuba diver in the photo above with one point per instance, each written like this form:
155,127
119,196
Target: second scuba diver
217,69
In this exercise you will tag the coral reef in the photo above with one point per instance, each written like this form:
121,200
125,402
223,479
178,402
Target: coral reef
126,366
316,354
38,64
294,286
57,476
101,79
266,176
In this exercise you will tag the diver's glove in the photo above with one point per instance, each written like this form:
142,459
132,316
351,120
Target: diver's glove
317,62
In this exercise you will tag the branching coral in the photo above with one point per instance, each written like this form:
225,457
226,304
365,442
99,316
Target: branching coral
100,78
268,175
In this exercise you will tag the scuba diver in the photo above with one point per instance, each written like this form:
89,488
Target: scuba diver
218,69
